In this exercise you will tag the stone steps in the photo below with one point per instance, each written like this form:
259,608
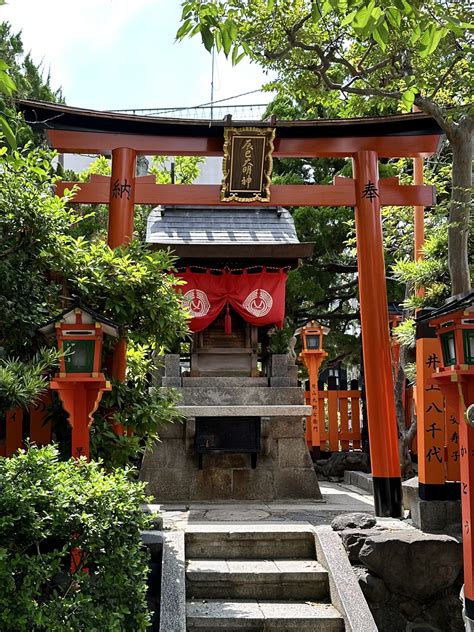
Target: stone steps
257,579
258,543
215,615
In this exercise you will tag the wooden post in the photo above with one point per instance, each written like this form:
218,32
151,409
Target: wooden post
80,398
40,431
376,342
452,442
121,210
466,450
313,363
14,434
332,415
122,197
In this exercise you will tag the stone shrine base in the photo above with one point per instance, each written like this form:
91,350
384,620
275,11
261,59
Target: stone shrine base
283,470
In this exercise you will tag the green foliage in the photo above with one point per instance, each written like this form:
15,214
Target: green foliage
48,254
19,77
372,48
100,166
134,405
280,339
30,218
21,383
404,333
183,169
50,507
128,285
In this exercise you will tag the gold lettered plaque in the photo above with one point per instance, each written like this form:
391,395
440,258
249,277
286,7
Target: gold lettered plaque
248,164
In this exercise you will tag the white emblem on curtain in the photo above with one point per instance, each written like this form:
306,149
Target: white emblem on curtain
197,303
258,303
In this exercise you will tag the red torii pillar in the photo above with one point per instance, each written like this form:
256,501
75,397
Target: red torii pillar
120,229
383,433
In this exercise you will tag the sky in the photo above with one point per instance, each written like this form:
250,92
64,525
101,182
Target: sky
121,54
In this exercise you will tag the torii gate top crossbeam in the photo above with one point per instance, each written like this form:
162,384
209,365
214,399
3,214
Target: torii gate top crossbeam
77,130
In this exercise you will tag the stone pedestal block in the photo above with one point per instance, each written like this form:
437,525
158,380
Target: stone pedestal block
279,365
431,516
284,468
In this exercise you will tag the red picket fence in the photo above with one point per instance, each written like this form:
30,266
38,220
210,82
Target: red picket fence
339,419
17,425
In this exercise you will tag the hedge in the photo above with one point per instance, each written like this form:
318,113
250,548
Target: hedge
49,507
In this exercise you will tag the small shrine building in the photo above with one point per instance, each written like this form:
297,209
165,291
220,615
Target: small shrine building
243,430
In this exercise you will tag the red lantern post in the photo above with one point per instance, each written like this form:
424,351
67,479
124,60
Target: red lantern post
454,324
80,384
313,355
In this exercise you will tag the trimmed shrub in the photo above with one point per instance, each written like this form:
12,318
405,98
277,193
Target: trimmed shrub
50,507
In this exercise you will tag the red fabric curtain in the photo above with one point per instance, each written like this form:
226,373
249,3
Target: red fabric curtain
258,298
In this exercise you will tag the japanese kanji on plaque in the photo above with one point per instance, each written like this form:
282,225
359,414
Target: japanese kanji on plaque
247,164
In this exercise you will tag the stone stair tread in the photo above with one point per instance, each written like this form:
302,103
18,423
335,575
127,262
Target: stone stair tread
255,570
213,614
257,542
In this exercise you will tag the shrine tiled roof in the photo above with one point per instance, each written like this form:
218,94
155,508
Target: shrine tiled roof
220,226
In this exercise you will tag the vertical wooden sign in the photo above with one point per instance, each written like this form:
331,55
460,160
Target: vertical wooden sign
430,416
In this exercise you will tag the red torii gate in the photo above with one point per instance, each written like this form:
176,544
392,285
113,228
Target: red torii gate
73,130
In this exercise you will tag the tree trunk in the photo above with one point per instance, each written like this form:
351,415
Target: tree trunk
461,143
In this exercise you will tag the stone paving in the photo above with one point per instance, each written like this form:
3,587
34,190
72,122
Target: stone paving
338,498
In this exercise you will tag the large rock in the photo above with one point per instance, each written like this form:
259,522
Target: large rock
412,563
389,619
353,541
353,521
339,462
374,588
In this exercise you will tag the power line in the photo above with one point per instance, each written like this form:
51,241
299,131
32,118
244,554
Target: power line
189,107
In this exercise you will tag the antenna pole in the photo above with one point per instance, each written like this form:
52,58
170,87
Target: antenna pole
212,82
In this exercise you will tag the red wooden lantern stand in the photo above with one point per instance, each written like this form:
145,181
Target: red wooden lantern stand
80,398
313,355
80,384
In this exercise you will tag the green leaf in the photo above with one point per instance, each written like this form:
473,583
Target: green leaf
363,16
236,55
270,5
315,12
416,34
394,16
380,35
8,132
226,39
207,37
184,29
326,8
408,98
348,19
